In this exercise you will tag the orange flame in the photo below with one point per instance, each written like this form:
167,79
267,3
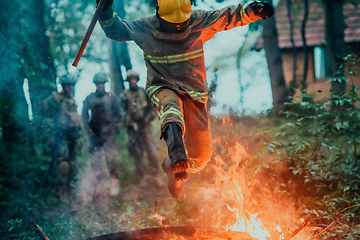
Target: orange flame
246,222
267,219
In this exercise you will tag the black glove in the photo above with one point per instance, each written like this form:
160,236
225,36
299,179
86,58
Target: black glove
108,3
262,9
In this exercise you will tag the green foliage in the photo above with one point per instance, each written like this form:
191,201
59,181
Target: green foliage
18,229
320,142
62,18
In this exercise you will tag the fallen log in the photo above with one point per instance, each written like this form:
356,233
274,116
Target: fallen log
185,232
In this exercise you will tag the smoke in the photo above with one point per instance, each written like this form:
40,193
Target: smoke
86,187
93,181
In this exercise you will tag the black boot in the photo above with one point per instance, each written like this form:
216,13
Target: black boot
176,151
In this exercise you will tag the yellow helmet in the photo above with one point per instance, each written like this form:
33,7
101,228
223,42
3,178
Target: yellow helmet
174,11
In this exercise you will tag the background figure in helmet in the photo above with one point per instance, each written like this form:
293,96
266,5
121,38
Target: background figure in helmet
102,128
137,114
62,125
172,41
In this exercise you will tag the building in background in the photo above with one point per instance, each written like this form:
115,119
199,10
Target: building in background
319,61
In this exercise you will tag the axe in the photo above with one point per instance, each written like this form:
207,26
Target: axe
98,10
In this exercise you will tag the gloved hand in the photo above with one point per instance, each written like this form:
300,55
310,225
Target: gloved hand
108,3
263,9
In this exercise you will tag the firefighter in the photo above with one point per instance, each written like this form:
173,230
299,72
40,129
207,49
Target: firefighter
172,41
102,128
62,124
137,114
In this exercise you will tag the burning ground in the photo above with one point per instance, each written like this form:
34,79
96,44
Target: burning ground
223,197
241,190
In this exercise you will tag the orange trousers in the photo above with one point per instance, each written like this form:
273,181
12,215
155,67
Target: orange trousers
193,119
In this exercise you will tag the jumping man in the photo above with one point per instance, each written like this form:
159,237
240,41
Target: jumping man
172,41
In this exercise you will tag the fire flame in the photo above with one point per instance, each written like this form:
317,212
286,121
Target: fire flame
249,223
267,219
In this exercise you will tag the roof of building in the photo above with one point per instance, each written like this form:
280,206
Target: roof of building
315,26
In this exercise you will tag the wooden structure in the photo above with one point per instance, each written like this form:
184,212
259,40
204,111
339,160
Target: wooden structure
319,61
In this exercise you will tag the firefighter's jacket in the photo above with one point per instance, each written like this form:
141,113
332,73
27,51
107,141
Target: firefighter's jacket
104,111
134,107
175,60
60,114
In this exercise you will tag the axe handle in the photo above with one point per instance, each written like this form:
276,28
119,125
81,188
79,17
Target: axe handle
98,10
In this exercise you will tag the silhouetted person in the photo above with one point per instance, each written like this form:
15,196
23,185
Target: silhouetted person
102,128
62,125
137,114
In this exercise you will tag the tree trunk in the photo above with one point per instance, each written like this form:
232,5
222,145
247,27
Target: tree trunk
40,69
119,56
273,57
14,110
335,41
293,83
303,37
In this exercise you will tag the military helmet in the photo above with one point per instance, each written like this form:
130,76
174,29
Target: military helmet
131,74
174,11
100,78
67,79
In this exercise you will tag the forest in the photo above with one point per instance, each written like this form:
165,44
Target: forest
288,172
